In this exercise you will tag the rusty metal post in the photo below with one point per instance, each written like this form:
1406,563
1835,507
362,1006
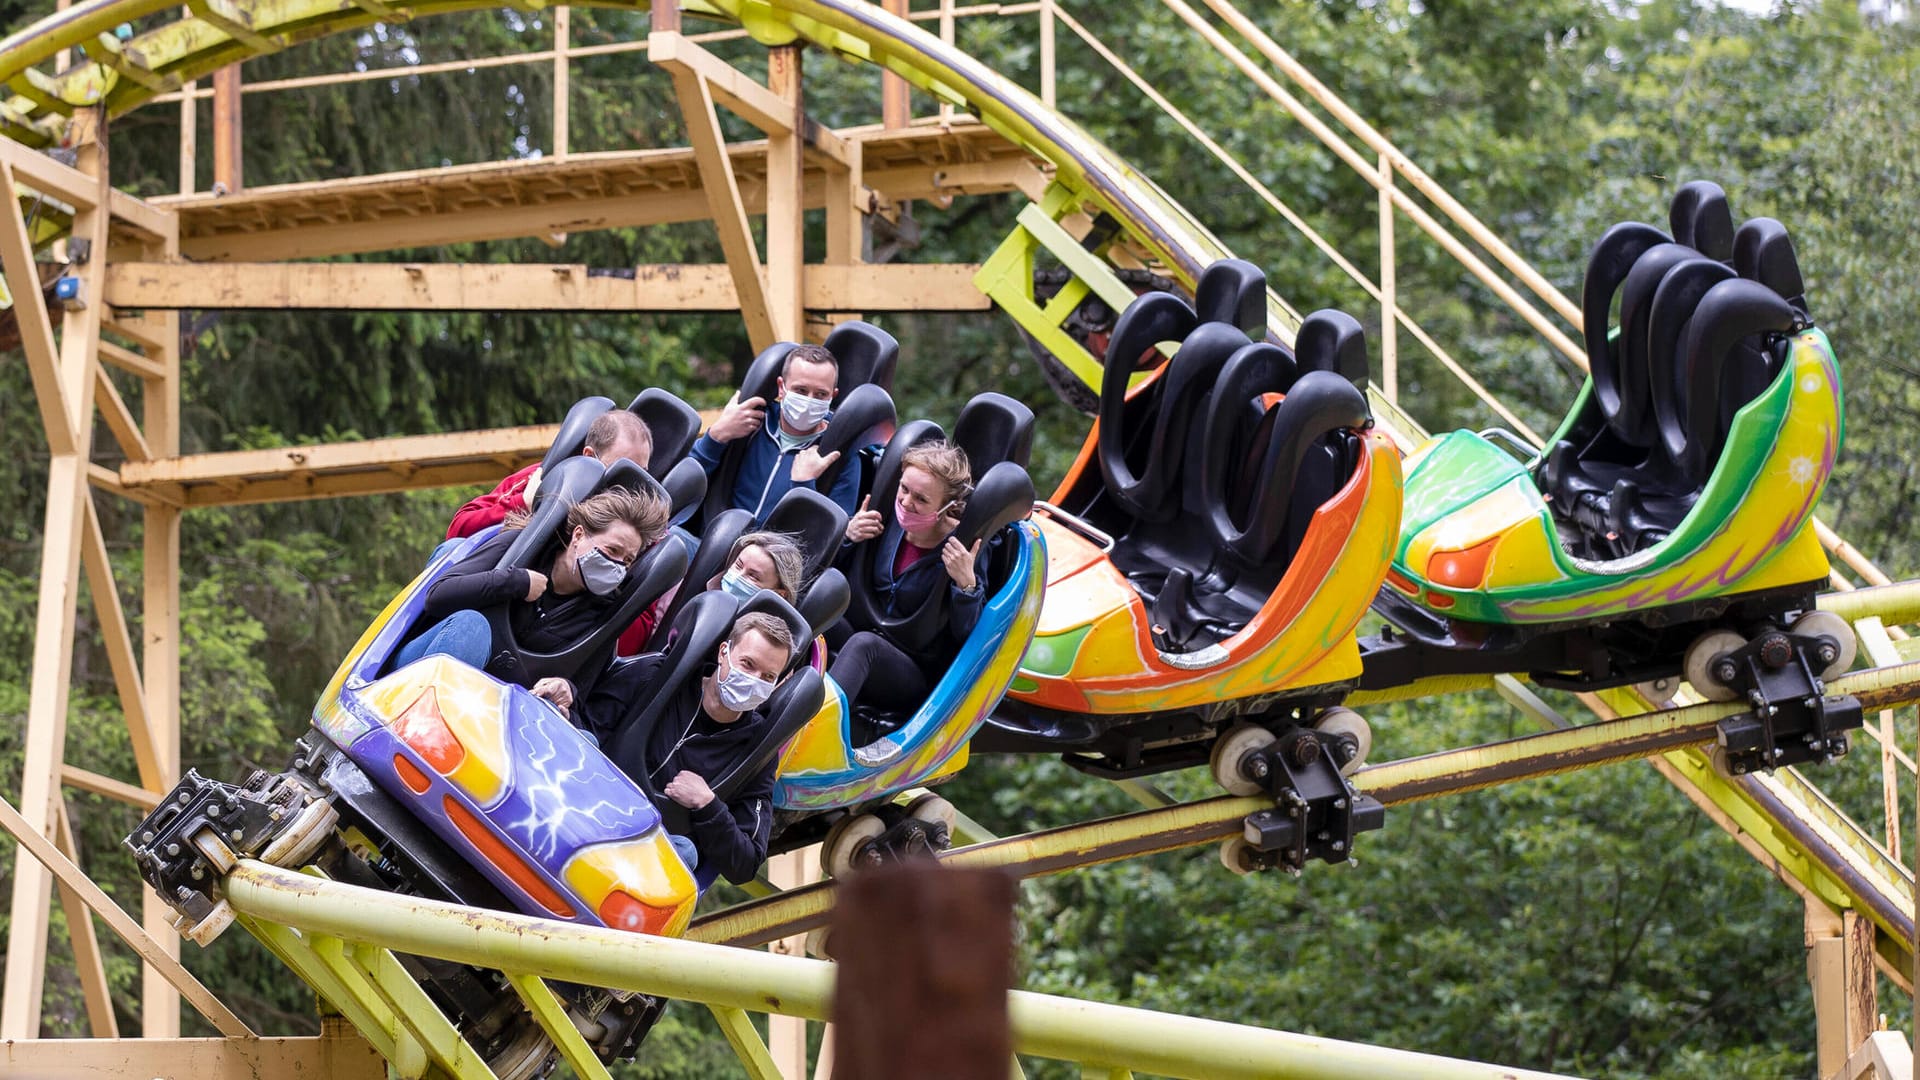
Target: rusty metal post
926,958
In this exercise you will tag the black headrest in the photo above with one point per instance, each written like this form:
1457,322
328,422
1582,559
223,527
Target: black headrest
763,372
1763,252
1701,219
826,598
566,483
1332,340
993,428
673,423
1233,291
867,355
1000,498
573,432
1613,257
864,417
1151,319
768,602
709,558
1622,384
815,522
1673,306
686,488
1730,312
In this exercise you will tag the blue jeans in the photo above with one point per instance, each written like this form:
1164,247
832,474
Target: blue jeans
464,635
684,846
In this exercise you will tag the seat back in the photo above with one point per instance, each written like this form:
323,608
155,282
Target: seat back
1126,462
656,571
815,522
1332,340
768,602
698,630
867,356
1674,303
673,423
993,428
1763,252
1629,409
1612,260
864,417
1184,388
1234,292
1701,219
1731,313
825,599
1319,403
573,432
708,559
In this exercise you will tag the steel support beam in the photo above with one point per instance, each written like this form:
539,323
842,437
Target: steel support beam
748,980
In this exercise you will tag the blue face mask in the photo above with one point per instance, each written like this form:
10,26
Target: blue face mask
601,575
737,586
740,691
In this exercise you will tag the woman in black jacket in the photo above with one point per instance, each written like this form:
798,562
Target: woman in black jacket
603,536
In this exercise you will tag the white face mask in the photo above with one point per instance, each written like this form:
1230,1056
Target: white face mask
601,575
804,412
740,691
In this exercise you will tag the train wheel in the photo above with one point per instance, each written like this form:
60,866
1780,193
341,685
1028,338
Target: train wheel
1825,624
1340,721
932,808
845,847
1230,750
1700,661
1237,855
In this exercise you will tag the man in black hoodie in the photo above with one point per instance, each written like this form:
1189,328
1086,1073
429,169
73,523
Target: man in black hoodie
710,725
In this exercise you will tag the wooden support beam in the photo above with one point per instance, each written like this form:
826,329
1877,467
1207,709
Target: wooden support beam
126,359
74,776
724,207
528,286
119,645
336,1055
86,944
70,437
847,209
1840,968
113,409
47,176
786,220
227,165
764,108
35,322
36,849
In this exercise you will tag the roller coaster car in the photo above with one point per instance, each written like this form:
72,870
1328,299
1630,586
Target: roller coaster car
1665,530
442,781
1210,554
855,757
863,413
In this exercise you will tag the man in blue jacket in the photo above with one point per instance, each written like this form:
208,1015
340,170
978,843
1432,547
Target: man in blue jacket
781,453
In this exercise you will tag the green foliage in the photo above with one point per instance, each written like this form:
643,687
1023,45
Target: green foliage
1590,923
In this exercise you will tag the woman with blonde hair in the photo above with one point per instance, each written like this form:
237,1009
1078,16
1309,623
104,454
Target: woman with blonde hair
917,553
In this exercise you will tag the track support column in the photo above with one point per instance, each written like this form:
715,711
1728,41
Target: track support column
1840,969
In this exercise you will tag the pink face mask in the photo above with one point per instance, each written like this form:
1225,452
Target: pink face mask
911,521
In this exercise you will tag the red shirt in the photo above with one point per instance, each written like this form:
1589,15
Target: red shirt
910,553
493,507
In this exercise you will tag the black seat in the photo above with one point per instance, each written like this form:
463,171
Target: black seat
673,423
1001,496
651,576
1130,430
867,356
1234,292
815,522
573,431
1720,351
1763,252
1701,219
993,428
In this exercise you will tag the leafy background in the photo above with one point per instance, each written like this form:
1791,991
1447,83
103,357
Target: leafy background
1590,923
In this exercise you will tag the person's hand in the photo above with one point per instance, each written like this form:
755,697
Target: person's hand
808,464
959,559
739,419
536,584
558,691
688,789
864,525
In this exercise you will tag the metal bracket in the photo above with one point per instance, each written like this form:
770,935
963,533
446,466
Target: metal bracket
1793,720
1316,812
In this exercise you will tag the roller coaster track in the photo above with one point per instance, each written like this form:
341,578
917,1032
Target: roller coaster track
1782,819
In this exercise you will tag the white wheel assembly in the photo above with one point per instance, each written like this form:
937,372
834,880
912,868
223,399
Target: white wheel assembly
1236,855
1339,721
840,850
931,808
1825,624
1230,750
1701,659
